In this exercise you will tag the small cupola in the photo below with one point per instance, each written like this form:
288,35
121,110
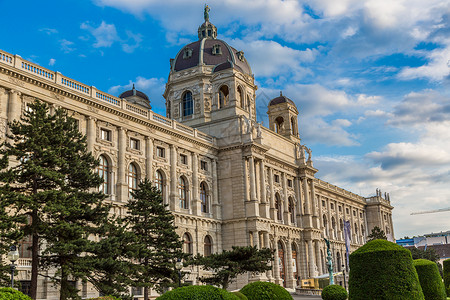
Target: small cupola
136,97
283,116
207,30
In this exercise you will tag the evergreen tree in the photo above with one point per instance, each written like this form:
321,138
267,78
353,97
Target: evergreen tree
376,234
229,264
50,181
110,272
156,246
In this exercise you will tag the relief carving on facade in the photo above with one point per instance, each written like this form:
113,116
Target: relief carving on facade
16,81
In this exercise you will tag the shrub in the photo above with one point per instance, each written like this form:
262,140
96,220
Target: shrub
431,282
198,292
240,295
12,294
383,270
447,276
334,292
265,291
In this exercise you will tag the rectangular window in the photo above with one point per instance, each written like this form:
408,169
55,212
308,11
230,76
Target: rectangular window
289,183
276,178
354,213
340,208
134,144
323,203
136,291
347,211
204,165
25,287
105,134
331,205
183,159
160,152
360,215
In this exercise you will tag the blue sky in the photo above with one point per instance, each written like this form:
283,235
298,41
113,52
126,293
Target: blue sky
370,78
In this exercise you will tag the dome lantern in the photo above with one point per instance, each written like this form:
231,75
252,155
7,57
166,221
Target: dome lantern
207,30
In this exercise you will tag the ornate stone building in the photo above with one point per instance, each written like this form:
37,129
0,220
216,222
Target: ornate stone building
227,179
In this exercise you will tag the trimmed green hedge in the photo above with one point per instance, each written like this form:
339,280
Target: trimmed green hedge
240,295
334,292
431,282
12,294
198,292
383,270
447,276
265,291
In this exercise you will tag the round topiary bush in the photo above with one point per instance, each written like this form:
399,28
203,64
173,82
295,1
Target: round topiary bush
12,294
334,292
430,280
240,295
447,276
383,270
198,292
265,291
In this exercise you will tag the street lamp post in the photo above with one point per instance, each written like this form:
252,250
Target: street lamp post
179,266
343,272
13,256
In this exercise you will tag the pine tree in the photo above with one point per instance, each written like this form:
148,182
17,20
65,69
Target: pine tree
230,263
50,181
376,234
156,246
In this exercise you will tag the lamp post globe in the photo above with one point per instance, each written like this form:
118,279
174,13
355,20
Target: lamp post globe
13,256
179,266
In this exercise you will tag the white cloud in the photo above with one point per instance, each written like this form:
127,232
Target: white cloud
66,46
105,34
270,59
49,31
436,69
52,62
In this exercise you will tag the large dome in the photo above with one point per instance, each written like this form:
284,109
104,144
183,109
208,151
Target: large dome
210,51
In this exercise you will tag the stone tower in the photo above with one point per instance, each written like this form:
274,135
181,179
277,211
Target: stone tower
283,116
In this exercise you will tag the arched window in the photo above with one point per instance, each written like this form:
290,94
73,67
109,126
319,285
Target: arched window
207,248
325,224
223,96
292,210
132,178
103,172
187,243
356,233
188,104
278,207
182,192
293,127
338,261
159,182
240,97
279,124
204,197
333,226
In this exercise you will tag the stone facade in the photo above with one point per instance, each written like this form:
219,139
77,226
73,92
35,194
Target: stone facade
227,179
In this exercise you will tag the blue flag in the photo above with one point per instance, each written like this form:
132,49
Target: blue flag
347,237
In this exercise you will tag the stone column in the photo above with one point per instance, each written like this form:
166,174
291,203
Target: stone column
290,280
286,218
318,257
196,202
256,239
264,205
149,158
91,133
276,263
215,192
173,205
14,107
267,245
312,260
314,207
307,220
321,223
272,196
121,186
299,202
252,206
251,166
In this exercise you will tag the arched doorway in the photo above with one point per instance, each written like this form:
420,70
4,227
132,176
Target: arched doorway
294,264
281,263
